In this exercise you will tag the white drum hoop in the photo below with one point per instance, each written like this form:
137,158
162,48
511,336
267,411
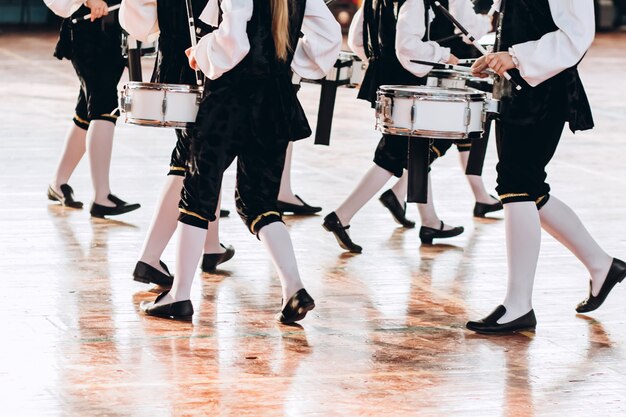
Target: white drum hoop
125,102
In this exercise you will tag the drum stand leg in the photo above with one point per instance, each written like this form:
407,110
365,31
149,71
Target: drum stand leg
134,64
325,112
417,167
476,159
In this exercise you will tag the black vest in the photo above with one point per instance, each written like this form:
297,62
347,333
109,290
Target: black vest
265,81
103,36
529,20
379,39
172,65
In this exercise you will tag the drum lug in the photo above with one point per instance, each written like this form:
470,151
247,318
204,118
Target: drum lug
164,105
467,116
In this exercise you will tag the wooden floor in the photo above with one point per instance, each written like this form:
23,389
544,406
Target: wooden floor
387,336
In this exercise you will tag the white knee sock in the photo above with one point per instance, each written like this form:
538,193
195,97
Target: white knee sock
212,240
523,241
73,151
564,225
371,183
277,241
164,222
188,253
100,144
428,214
476,182
400,187
286,194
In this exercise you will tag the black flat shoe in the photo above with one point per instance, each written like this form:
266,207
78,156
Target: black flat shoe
121,207
480,209
333,225
180,310
427,234
398,211
210,261
224,213
616,274
299,210
489,325
66,198
296,308
150,275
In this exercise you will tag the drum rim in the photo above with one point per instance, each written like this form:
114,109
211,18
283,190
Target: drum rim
459,94
180,88
429,134
449,75
157,123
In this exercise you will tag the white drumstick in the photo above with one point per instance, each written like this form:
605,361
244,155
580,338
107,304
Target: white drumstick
88,16
478,46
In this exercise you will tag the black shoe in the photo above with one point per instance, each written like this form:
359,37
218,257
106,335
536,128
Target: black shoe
210,261
300,210
398,211
180,310
333,225
150,275
224,213
480,209
67,197
121,207
427,234
296,308
616,274
489,325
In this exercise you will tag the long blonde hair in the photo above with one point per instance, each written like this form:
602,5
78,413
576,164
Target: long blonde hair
280,28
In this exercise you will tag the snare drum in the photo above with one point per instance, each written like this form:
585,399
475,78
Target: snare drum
447,79
349,70
430,112
160,105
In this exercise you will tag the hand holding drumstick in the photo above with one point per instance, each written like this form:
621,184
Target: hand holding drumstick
500,62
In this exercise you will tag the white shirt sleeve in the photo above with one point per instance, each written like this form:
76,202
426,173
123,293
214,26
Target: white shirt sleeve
139,19
556,51
478,25
410,31
319,48
63,8
355,35
221,50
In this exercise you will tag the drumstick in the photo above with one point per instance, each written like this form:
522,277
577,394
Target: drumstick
192,33
478,46
88,16
439,65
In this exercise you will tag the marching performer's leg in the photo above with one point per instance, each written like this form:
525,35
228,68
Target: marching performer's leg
432,226
563,224
73,151
485,203
150,268
288,202
394,200
215,253
338,222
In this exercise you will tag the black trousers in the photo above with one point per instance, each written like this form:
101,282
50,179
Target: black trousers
392,152
222,133
180,154
524,151
97,59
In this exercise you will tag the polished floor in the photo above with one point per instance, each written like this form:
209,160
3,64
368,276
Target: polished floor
387,336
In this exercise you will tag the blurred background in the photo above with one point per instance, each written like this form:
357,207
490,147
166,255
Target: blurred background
32,14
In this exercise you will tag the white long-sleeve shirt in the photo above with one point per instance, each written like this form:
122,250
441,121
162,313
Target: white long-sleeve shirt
556,51
63,8
139,18
224,48
410,31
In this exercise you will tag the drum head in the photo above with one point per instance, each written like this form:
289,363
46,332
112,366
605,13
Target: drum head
450,74
432,93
